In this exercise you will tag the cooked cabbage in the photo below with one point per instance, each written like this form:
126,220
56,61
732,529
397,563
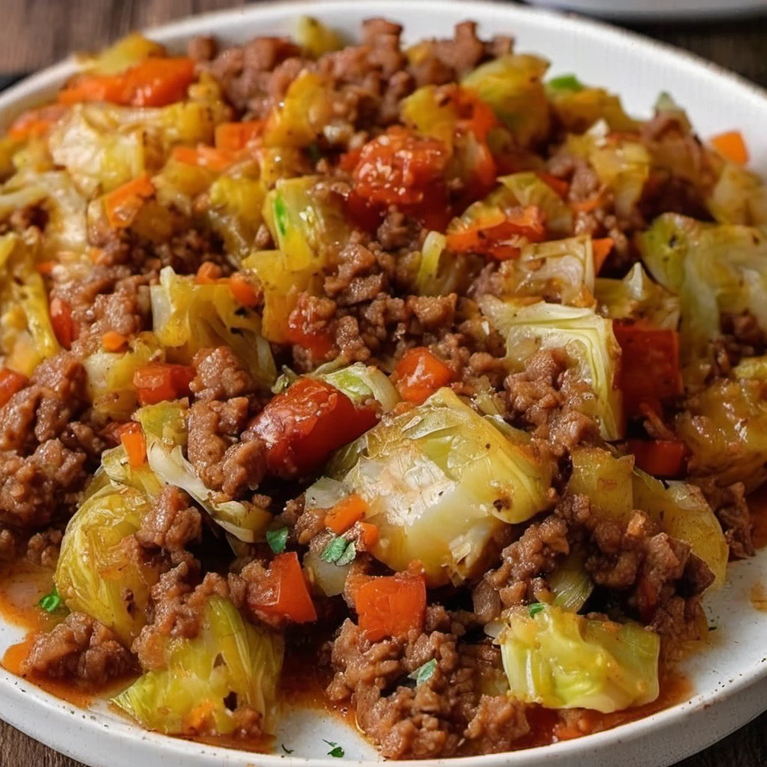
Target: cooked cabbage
714,268
559,659
122,55
362,383
528,189
110,376
739,197
725,428
206,684
512,85
316,38
586,337
26,334
234,212
188,316
440,481
637,297
562,270
578,107
308,232
570,583
605,480
96,573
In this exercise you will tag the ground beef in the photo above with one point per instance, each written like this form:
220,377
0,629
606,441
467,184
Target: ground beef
550,398
9,545
357,277
220,375
731,509
171,524
43,548
435,718
80,648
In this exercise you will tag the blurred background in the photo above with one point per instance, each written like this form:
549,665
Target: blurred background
36,33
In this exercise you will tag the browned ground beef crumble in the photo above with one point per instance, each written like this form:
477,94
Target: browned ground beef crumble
51,439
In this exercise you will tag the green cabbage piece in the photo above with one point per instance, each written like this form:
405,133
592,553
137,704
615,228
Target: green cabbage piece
165,430
570,583
577,107
26,334
204,683
586,337
234,212
615,488
561,270
739,197
125,53
714,268
637,297
513,86
309,232
440,481
316,38
725,428
362,383
188,317
622,165
96,571
528,189
110,376
559,659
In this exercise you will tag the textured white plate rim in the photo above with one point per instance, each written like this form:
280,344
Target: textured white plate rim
656,10
18,697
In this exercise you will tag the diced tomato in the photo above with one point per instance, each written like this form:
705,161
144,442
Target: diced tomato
649,373
36,122
133,440
345,513
303,425
391,606
283,592
161,381
10,383
233,137
123,204
398,167
419,374
499,234
475,115
154,82
64,326
661,458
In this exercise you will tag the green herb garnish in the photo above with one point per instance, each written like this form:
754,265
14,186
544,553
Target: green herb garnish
339,551
425,672
51,602
277,539
535,608
281,216
335,749
565,83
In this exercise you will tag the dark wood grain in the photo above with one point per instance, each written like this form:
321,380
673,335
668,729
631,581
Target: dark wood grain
36,33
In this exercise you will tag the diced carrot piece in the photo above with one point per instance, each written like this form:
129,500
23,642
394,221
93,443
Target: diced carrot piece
601,250
586,206
233,137
419,374
559,185
112,341
369,534
36,122
204,157
133,440
10,383
391,606
732,146
345,513
208,273
244,290
661,458
283,592
123,204
161,381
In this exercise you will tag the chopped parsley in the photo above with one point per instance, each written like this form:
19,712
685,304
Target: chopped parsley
339,551
335,749
51,602
535,608
286,749
277,539
425,672
565,83
281,216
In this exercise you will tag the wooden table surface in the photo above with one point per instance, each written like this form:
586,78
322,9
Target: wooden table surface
36,33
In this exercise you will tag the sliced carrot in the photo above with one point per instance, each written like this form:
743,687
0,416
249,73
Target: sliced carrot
233,137
207,273
586,206
10,383
661,458
419,374
391,606
368,534
601,250
112,341
345,513
732,146
133,440
160,381
244,290
559,185
36,122
45,267
123,204
204,157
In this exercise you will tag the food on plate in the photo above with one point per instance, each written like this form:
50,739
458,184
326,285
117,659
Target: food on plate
416,365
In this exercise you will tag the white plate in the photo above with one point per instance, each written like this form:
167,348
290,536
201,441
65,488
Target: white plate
729,677
647,10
